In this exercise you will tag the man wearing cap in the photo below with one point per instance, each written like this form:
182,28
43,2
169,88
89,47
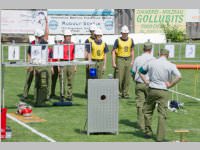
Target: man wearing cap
55,70
123,49
162,75
140,87
88,50
98,53
40,38
69,71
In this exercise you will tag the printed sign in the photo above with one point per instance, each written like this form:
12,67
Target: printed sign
13,53
58,52
150,20
171,50
36,52
80,24
190,51
79,51
152,51
22,21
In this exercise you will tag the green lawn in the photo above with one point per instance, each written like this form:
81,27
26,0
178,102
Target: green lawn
66,124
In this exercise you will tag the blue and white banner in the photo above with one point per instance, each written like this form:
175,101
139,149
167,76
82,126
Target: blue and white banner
80,24
82,12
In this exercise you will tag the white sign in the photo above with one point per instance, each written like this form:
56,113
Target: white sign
22,21
80,24
190,51
192,15
58,52
36,52
152,51
171,50
13,53
79,51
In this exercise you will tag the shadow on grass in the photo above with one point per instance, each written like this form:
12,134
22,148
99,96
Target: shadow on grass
129,123
140,134
84,131
79,95
81,131
194,103
126,132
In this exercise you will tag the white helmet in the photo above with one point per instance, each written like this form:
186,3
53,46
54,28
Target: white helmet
39,32
93,27
67,32
98,32
58,38
124,29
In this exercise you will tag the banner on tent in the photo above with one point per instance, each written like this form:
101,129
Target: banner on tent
80,24
150,20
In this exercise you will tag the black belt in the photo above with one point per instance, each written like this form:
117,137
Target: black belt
138,82
98,60
126,58
157,89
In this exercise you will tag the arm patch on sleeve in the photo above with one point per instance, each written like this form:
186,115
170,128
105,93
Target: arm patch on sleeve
141,70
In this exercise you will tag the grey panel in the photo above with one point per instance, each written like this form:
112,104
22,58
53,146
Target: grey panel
103,105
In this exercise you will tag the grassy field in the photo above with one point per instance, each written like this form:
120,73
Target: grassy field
66,124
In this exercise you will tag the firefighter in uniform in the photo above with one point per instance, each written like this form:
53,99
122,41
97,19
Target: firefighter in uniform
40,38
140,87
162,75
124,50
55,70
98,53
69,71
88,50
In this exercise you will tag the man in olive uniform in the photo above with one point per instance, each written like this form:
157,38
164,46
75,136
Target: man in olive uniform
55,70
162,75
69,71
124,50
140,87
99,53
40,38
88,50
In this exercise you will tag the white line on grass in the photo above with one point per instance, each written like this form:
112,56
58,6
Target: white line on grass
32,129
195,98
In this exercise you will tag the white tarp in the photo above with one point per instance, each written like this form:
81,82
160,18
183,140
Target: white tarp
80,24
22,21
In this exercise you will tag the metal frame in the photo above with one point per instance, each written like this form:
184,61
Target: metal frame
27,64
179,57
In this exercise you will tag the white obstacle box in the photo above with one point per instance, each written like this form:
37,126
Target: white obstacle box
103,106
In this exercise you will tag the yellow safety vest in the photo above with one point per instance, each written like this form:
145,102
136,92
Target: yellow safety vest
98,50
90,39
124,48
